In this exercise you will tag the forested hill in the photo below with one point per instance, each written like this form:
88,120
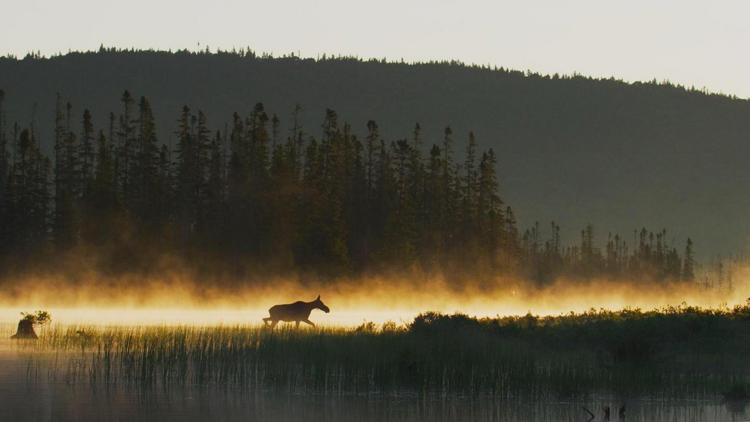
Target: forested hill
569,149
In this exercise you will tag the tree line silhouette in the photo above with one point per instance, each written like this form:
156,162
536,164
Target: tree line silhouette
252,195
602,141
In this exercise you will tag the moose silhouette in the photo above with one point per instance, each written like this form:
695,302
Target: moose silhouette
298,312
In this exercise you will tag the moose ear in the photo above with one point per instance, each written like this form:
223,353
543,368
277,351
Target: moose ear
318,297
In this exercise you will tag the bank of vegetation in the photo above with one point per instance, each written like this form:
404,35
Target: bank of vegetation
681,352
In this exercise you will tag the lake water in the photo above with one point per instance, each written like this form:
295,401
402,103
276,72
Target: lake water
37,387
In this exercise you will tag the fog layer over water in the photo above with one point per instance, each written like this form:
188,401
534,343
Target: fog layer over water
177,299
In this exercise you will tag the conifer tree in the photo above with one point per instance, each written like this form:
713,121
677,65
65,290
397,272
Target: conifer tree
688,263
215,186
296,149
4,155
105,189
4,179
489,218
64,228
187,177
435,203
29,192
471,186
144,170
124,150
87,154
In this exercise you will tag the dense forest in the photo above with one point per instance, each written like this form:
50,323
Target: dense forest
570,148
250,196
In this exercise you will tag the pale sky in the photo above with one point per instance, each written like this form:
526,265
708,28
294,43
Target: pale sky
694,43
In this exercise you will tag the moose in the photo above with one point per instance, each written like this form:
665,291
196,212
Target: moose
298,312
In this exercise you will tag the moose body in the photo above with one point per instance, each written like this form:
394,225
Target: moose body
294,312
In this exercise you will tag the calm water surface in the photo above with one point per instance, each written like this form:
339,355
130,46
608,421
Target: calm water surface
32,390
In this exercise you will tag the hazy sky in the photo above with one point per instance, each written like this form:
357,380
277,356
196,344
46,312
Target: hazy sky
700,43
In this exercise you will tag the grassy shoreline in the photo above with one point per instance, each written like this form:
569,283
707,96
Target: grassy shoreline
676,352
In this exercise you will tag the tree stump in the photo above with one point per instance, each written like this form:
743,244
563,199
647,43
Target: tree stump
25,330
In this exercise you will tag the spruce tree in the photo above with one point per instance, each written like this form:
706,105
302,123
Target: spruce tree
124,151
688,262
87,154
144,167
66,155
187,175
4,180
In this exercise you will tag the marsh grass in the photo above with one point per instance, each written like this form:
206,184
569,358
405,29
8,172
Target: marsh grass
679,352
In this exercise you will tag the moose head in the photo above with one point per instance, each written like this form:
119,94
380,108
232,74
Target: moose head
320,305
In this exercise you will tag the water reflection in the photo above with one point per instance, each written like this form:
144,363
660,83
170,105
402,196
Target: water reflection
29,392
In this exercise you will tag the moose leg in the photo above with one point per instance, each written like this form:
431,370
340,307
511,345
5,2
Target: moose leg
273,324
307,321
296,324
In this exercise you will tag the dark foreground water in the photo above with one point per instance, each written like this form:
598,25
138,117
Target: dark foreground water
33,392
61,402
